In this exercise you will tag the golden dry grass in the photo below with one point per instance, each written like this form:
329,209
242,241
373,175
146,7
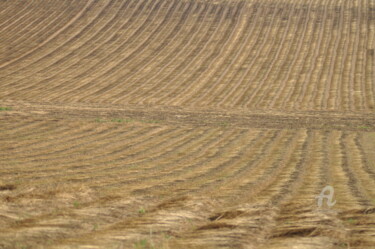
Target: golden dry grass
187,123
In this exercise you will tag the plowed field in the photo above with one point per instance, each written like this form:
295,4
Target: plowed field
187,124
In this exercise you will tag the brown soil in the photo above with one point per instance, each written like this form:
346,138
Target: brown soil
187,124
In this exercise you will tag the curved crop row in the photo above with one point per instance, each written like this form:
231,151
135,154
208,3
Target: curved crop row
232,54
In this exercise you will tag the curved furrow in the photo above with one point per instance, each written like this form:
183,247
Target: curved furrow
188,90
14,19
136,156
12,145
141,84
315,73
36,167
367,89
200,29
204,80
347,194
288,188
327,83
68,140
370,63
38,85
45,65
109,89
285,174
162,162
59,81
20,26
6,11
27,129
343,195
241,88
131,47
333,97
220,171
355,97
190,235
284,29
22,127
215,122
194,163
245,219
155,169
113,147
5,7
48,167
340,93
33,31
248,167
101,171
358,204
206,64
192,174
364,157
37,67
19,85
361,182
40,151
218,14
114,70
366,153
264,53
14,49
347,86
307,85
303,64
289,83
155,59
318,89
52,37
170,59
91,46
267,169
264,91
122,150
106,34
112,48
255,167
256,29
212,92
33,136
300,213
326,174
157,212
363,58
264,72
190,150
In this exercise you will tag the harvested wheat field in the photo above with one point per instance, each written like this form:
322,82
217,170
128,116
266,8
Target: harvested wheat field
178,124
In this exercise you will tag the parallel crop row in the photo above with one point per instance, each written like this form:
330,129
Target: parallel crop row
285,55
267,176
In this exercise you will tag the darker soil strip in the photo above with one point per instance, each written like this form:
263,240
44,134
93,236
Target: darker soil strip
234,119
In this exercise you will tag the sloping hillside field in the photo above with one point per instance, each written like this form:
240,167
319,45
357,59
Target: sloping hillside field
178,124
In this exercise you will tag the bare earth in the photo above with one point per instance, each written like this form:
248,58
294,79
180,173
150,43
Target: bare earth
187,123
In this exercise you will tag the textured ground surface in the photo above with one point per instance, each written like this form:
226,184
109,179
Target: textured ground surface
187,123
